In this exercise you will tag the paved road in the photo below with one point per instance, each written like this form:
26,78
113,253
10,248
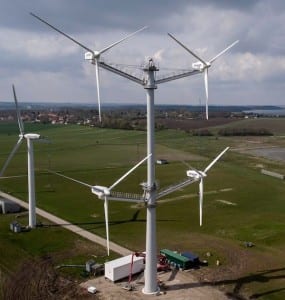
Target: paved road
69,226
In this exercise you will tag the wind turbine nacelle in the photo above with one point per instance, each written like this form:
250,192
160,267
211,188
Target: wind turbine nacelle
89,56
198,66
193,174
100,191
32,136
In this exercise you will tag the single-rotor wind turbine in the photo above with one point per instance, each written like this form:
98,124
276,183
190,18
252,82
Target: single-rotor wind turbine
104,193
30,137
92,55
200,175
203,66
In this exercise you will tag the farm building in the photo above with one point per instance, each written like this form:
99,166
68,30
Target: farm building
7,206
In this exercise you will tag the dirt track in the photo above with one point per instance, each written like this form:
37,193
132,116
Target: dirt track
67,225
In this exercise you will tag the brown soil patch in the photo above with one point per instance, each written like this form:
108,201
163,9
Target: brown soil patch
38,279
193,124
176,155
240,268
174,284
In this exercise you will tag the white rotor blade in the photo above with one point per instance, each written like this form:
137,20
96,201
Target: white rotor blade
201,194
107,224
130,171
187,49
186,164
222,52
215,160
43,140
11,155
70,178
20,122
15,176
207,91
123,39
98,89
189,166
61,32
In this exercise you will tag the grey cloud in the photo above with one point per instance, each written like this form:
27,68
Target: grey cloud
209,24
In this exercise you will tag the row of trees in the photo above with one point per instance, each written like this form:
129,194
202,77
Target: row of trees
122,123
233,132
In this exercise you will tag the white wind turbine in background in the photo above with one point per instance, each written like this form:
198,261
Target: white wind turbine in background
92,55
200,175
30,137
104,193
203,66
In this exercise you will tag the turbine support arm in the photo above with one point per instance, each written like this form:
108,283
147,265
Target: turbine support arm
178,76
112,69
174,188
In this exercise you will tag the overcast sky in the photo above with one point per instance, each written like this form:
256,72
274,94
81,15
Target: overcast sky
45,66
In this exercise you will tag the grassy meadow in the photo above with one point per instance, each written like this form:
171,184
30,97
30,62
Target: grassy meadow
240,204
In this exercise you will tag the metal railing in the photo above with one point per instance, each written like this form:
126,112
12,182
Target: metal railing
174,187
126,196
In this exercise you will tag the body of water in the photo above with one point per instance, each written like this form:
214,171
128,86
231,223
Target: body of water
267,112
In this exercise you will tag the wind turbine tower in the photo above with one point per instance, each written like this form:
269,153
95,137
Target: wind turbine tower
30,138
151,248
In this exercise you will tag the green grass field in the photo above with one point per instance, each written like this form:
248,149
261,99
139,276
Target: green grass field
240,204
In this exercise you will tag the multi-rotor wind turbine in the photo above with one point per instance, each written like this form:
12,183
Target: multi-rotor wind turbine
149,82
200,175
104,193
92,55
30,137
203,66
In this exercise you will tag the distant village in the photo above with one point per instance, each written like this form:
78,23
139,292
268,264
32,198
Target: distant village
130,118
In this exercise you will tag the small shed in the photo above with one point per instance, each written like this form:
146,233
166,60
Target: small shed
176,259
8,206
161,161
193,258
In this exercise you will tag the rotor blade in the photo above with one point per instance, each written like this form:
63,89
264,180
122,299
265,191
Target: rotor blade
222,52
130,171
201,194
70,178
189,166
107,224
11,155
43,140
207,91
98,89
187,49
215,160
15,176
186,164
123,39
61,32
20,122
